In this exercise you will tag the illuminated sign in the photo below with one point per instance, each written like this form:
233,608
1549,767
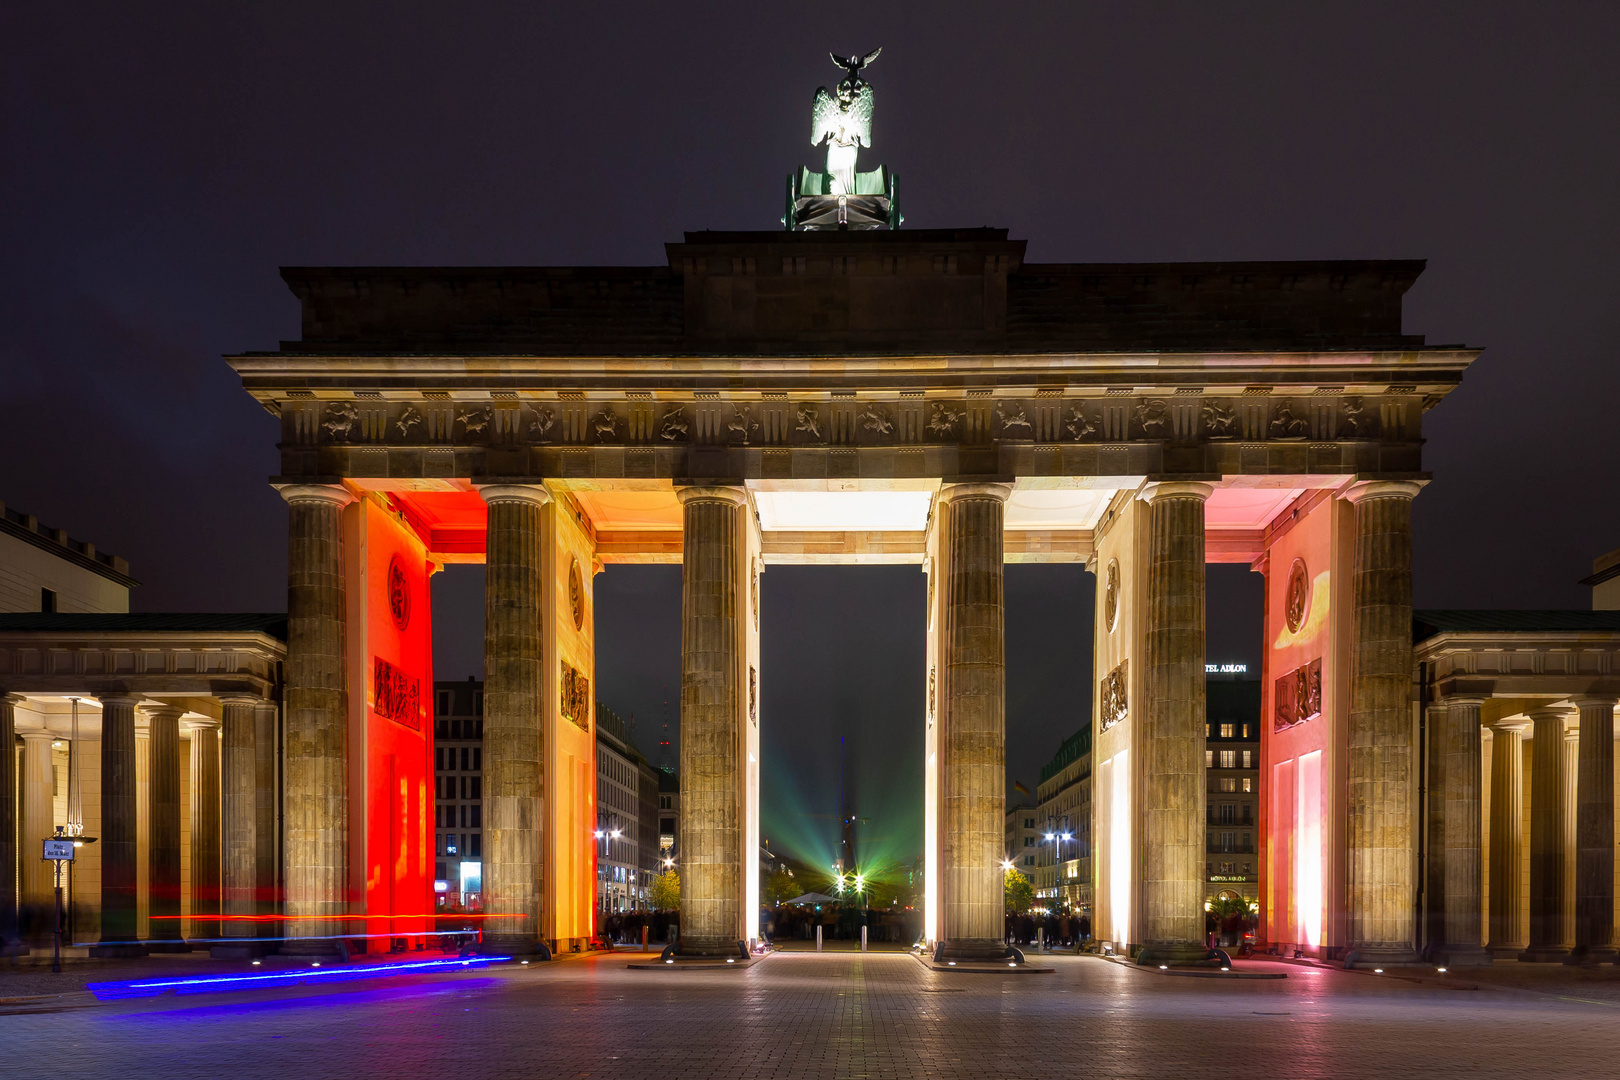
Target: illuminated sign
1225,669
59,850
398,696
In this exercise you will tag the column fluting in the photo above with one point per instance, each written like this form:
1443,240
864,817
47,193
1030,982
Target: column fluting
119,835
712,641
1464,870
316,798
515,574
1380,917
1594,833
37,907
1547,828
10,935
1507,843
238,820
205,831
1174,780
163,829
267,806
972,716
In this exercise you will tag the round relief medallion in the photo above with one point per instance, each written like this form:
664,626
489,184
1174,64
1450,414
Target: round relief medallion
576,594
1111,596
1299,595
399,593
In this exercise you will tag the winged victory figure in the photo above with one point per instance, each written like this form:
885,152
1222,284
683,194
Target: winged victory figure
843,119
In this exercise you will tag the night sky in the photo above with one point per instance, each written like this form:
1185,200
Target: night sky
159,162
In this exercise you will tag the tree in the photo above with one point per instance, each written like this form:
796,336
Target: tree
1017,891
665,892
781,887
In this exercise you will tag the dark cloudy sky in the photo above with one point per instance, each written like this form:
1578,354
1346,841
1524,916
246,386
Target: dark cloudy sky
158,162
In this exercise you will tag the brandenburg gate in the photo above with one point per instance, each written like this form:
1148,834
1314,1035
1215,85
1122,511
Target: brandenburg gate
855,396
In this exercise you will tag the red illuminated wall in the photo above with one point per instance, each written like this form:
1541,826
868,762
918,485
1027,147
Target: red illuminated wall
391,722
1301,750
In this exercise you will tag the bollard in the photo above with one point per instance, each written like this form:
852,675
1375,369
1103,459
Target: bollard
643,936
863,939
1040,937
818,937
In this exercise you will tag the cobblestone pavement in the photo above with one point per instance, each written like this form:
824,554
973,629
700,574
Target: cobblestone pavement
839,1015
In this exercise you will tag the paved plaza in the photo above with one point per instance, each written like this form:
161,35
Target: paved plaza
836,1015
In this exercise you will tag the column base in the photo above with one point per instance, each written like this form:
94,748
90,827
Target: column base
1459,956
1587,955
117,952
687,949
513,945
169,945
1374,956
248,949
1509,951
971,949
1544,954
1174,952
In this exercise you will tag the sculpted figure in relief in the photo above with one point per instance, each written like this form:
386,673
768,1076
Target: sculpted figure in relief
808,422
544,419
674,428
1012,416
341,416
606,425
741,424
408,421
473,421
944,420
1220,421
875,418
1077,425
1154,418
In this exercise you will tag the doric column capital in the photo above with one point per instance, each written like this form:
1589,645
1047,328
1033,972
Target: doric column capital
1176,489
37,735
523,493
11,699
161,708
201,723
334,494
1594,702
728,493
248,700
1362,490
131,700
1549,713
1509,723
952,492
1459,700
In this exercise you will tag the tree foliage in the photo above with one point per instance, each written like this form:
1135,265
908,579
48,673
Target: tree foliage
781,887
1018,893
665,891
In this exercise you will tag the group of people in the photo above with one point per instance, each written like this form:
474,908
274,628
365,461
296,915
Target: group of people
1056,929
624,927
839,922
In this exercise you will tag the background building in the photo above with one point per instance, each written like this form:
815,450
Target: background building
626,816
1232,761
458,789
46,570
1022,838
669,804
1063,819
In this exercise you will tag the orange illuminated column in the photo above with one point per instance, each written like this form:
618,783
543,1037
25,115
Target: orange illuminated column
567,720
748,750
1304,712
390,660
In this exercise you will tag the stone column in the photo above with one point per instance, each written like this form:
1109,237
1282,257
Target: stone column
1594,833
37,910
1174,780
1547,782
118,828
1464,872
205,836
710,823
10,938
1380,920
514,577
1507,846
972,710
163,830
238,832
317,719
267,814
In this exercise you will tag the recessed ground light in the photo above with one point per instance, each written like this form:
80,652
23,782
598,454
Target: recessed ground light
1012,963
730,960
255,963
950,963
1378,971
1164,967
1226,969
314,965
1442,971
669,961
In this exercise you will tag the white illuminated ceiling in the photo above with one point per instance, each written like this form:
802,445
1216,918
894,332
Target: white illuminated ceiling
1056,508
839,511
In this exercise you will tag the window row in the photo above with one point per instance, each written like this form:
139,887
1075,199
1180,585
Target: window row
446,787
1232,783
471,758
1228,759
445,704
1228,841
465,817
467,845
1230,731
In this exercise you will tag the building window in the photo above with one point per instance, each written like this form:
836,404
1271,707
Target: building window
1209,759
1246,734
478,787
478,703
1228,813
1228,784
438,758
1228,731
47,601
1228,842
478,759
1228,759
1246,868
1248,783
477,841
444,702
463,785
1248,759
